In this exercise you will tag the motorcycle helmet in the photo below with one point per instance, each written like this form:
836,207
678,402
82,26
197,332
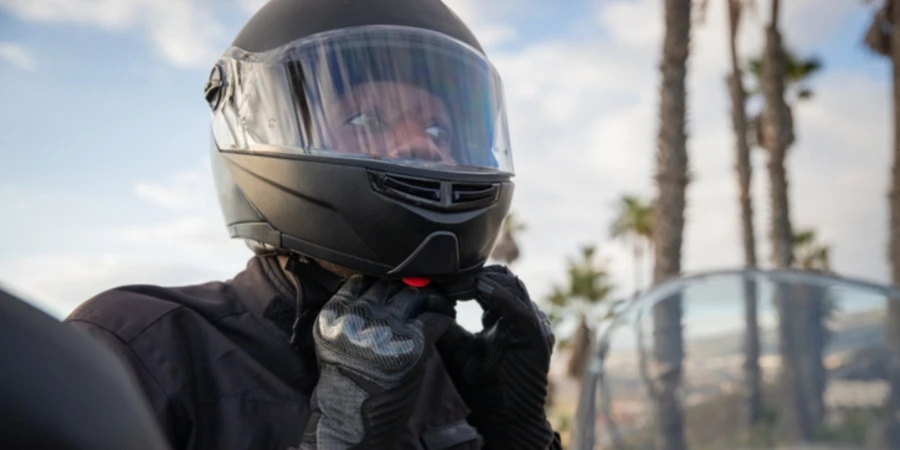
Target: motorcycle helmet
370,134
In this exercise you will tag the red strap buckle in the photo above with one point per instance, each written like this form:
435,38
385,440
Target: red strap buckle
416,282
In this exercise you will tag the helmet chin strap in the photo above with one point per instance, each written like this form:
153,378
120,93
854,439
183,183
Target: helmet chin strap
335,269
302,269
416,282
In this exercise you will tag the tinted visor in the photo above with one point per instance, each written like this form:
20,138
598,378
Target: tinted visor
397,94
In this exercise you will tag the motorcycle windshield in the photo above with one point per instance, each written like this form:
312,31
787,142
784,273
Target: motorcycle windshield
745,360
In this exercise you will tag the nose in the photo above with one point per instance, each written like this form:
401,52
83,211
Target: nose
410,140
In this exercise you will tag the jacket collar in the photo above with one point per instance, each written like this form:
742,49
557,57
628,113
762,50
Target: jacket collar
267,292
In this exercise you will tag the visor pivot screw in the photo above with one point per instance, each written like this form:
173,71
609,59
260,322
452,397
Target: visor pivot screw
212,90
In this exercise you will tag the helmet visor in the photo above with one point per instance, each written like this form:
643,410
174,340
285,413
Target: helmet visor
396,94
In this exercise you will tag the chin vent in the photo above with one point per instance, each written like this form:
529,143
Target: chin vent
467,193
434,194
427,190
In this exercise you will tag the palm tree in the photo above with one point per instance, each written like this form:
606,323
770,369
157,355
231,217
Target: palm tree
634,223
882,40
776,135
741,124
810,254
588,285
668,229
752,372
507,248
773,130
797,72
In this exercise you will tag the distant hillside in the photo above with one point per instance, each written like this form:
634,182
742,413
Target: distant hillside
851,332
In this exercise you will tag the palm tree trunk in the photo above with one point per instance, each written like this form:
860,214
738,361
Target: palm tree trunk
606,406
672,179
752,370
582,342
793,422
892,410
777,136
781,222
584,437
893,308
808,302
752,373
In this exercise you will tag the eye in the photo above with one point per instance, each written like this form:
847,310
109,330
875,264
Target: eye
365,120
438,132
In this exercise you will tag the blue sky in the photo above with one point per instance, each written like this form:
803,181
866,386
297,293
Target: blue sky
104,135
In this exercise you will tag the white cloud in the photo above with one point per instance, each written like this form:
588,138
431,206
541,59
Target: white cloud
637,24
193,223
18,56
186,33
110,14
814,18
59,283
841,167
251,6
486,19
193,234
182,190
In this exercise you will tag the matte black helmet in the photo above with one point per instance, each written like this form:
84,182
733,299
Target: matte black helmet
370,134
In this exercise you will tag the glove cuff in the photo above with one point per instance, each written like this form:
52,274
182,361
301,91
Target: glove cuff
386,414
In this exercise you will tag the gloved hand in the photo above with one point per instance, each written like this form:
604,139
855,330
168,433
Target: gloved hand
372,340
501,372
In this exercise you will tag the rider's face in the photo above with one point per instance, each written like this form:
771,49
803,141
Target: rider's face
391,120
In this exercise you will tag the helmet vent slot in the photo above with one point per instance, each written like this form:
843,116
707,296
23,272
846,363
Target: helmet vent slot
468,193
435,194
418,191
425,189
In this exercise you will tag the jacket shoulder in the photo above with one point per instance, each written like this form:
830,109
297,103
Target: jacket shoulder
127,311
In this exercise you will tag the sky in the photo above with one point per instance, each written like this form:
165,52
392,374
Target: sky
104,134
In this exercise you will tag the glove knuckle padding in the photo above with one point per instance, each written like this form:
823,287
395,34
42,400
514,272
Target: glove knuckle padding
372,342
356,336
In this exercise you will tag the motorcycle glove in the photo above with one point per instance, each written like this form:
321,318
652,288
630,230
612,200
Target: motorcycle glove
372,339
501,371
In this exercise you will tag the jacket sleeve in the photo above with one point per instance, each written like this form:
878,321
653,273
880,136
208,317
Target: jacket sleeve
159,401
